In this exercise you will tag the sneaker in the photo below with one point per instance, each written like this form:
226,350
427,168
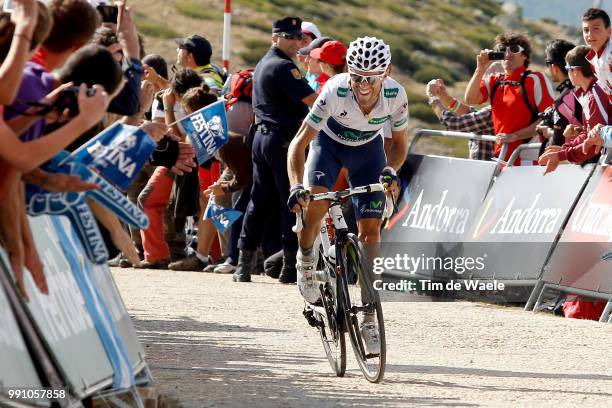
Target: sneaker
371,341
124,263
306,270
225,267
160,264
191,263
115,261
211,267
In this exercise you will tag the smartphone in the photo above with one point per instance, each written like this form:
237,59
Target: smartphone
7,6
496,56
109,13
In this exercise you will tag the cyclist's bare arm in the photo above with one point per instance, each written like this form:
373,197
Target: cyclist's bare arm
396,154
296,155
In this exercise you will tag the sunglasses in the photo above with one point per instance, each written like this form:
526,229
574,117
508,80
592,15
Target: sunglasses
569,68
514,49
370,79
286,36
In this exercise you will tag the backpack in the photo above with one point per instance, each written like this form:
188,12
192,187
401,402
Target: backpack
533,109
240,87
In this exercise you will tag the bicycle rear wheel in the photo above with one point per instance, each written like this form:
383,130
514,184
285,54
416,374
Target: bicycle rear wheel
362,301
331,328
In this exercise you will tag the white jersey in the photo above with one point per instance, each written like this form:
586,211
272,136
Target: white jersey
337,114
603,67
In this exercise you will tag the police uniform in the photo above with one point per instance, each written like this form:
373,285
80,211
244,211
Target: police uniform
278,90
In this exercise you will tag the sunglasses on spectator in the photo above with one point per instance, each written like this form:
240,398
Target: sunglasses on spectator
370,79
514,49
572,67
286,36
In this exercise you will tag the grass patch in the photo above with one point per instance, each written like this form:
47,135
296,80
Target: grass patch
429,72
194,9
423,112
153,29
255,49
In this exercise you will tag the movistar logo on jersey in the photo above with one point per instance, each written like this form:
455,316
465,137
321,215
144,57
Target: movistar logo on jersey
315,118
342,92
391,92
353,135
378,121
376,204
400,122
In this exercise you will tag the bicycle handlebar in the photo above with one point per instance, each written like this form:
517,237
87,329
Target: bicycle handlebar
338,195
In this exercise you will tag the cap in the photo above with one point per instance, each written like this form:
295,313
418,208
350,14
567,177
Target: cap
197,45
289,25
332,52
311,28
318,43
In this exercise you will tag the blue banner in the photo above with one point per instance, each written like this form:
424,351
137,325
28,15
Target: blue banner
207,130
221,217
118,153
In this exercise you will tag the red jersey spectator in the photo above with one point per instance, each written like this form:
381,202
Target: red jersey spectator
516,96
596,31
595,108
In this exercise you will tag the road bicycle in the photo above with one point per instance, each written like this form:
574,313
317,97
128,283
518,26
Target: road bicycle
345,283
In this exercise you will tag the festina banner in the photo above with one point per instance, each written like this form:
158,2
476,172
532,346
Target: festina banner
583,257
521,218
118,152
207,130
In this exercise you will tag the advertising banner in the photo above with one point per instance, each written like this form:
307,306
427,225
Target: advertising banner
583,256
520,219
62,318
16,367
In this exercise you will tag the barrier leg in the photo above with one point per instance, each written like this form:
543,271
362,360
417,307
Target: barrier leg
534,295
539,301
606,314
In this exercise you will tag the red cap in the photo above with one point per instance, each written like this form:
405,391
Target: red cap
332,52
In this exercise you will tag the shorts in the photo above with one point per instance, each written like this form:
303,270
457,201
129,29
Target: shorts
363,163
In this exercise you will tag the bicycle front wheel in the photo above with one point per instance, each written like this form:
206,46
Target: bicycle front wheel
362,307
331,328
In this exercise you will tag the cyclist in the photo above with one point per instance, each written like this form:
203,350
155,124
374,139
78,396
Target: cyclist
345,129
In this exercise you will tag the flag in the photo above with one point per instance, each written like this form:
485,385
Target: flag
207,130
221,217
118,152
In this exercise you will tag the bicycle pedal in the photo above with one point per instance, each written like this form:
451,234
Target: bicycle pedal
310,318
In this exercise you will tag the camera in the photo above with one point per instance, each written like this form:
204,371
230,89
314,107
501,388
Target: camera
69,99
496,56
547,117
109,13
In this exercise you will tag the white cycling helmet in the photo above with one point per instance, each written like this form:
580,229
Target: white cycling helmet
368,54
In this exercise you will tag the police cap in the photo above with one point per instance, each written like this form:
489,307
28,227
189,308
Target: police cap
289,25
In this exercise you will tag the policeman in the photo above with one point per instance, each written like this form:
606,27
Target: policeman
281,98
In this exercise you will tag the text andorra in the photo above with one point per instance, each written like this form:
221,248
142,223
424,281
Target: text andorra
438,217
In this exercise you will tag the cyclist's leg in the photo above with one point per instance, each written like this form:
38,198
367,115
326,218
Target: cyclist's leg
364,167
321,171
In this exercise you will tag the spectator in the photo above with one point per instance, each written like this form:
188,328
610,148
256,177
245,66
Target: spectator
312,70
193,100
459,117
566,109
516,96
331,58
281,98
195,52
74,22
596,108
311,32
154,197
596,31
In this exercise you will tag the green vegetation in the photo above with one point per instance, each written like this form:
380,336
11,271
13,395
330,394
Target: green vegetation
153,29
194,9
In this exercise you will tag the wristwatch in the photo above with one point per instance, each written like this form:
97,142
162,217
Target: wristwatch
432,100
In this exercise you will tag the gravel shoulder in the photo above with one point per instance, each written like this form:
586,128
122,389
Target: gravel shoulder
213,343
